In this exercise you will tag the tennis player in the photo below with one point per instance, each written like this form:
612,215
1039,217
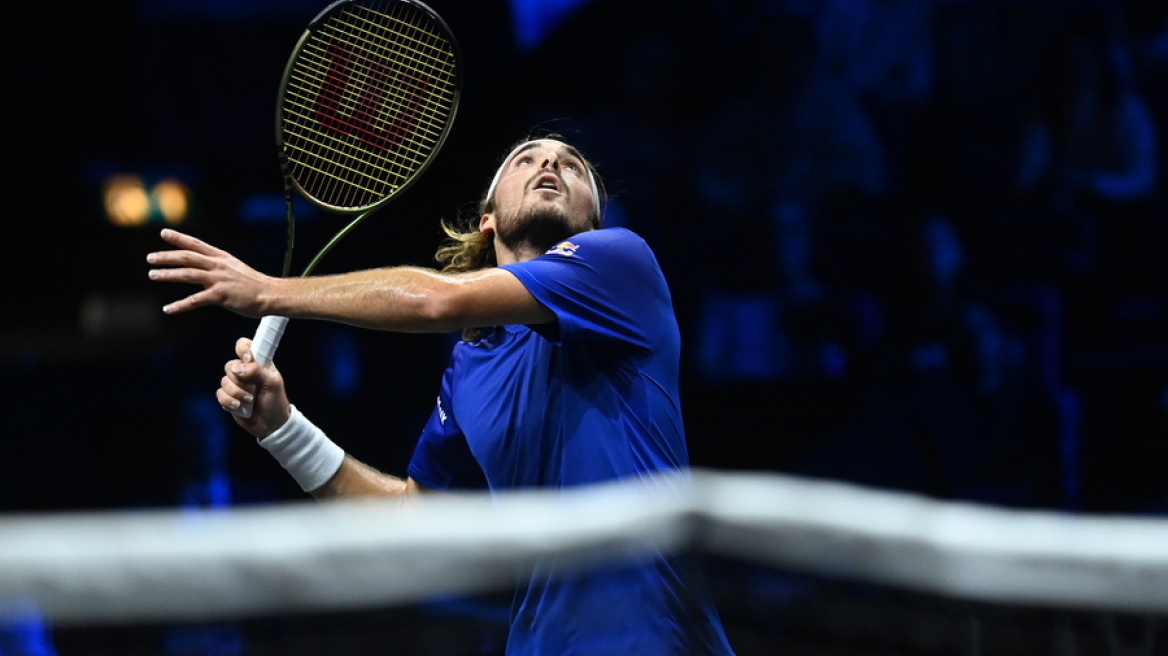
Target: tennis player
567,375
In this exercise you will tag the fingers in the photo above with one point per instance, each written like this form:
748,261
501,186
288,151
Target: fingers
240,381
187,242
246,383
194,253
193,264
210,295
226,281
195,270
231,395
193,276
180,259
243,349
196,300
246,374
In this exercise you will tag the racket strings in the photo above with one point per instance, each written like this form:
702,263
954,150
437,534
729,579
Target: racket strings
365,46
408,87
367,101
407,119
367,38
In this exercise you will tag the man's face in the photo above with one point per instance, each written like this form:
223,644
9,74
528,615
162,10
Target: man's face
544,195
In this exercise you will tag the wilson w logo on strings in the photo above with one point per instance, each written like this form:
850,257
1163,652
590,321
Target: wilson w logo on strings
378,105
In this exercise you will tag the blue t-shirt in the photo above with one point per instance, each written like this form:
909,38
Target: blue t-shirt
590,397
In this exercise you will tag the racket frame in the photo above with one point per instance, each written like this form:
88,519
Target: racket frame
316,25
271,328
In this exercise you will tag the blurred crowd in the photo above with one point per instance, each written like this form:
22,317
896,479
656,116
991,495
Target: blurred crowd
912,244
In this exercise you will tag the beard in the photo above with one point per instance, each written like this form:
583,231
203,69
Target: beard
534,230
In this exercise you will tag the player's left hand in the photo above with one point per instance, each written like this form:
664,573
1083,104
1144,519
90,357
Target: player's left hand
226,281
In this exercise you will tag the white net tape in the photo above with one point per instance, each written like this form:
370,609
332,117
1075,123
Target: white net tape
111,567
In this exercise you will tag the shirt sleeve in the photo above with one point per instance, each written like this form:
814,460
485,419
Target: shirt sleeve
442,459
604,286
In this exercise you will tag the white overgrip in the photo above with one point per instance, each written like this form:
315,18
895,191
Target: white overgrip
263,349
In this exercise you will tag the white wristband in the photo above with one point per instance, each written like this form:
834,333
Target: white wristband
305,451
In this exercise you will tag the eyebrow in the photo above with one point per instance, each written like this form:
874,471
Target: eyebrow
531,145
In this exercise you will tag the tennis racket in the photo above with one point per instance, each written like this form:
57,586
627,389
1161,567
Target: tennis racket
367,100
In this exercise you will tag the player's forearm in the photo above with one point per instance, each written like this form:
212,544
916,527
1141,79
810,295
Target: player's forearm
323,469
357,480
407,299
401,299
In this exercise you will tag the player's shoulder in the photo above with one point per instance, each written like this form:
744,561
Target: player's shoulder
603,242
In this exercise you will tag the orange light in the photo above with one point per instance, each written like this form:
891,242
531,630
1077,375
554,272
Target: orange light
126,201
172,198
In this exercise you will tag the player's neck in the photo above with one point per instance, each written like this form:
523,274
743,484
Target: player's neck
521,253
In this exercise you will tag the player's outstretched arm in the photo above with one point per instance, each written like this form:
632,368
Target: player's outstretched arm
400,299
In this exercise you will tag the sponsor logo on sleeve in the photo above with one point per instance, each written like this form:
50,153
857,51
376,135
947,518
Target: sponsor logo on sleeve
565,248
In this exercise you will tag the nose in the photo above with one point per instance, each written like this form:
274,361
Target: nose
550,161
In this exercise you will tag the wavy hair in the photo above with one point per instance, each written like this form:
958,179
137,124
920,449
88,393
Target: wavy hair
466,248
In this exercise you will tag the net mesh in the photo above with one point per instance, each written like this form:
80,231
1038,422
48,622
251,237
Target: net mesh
367,102
796,566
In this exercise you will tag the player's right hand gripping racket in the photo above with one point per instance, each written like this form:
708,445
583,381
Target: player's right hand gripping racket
368,98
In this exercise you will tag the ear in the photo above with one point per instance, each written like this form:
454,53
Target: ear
487,223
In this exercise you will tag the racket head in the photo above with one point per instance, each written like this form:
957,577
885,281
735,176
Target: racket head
368,98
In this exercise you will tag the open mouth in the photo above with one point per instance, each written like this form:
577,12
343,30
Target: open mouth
547,182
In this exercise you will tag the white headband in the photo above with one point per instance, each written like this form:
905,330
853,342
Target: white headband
499,173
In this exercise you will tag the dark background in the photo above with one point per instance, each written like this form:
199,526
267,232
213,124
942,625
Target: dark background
916,245
866,292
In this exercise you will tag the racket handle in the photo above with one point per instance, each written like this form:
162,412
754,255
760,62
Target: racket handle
263,348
